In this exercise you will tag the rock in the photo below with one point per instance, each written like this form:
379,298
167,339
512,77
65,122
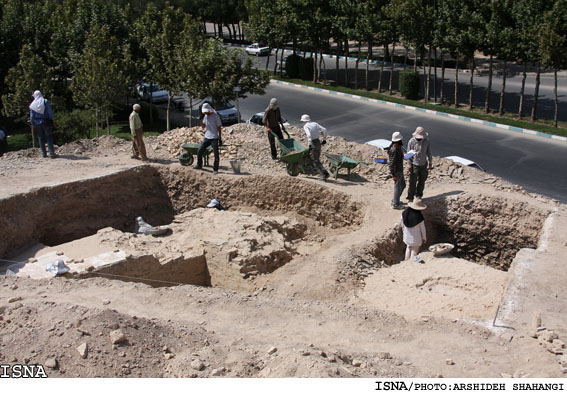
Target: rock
218,371
197,365
168,356
356,363
14,299
32,260
384,356
105,302
117,336
51,363
449,362
547,336
83,350
272,350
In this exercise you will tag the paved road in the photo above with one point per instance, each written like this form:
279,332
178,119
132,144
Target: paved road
546,104
535,163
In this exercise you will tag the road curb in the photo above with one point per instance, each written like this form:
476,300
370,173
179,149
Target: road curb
428,111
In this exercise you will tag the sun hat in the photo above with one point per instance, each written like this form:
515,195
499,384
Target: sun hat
214,202
274,102
136,107
417,204
36,94
305,118
419,132
397,136
207,108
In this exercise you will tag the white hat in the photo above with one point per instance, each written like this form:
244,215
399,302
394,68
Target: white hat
274,101
136,107
214,202
207,108
419,132
36,94
305,118
397,136
417,204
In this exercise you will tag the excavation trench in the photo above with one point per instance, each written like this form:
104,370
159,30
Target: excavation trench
265,221
485,230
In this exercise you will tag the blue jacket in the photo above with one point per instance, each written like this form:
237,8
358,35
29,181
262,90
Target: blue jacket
37,118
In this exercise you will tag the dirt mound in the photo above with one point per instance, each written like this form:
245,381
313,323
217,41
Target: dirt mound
100,146
55,331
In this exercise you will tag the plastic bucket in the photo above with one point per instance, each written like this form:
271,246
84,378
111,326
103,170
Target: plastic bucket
235,164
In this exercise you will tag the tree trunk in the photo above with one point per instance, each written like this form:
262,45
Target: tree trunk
107,122
96,119
323,67
337,62
555,115
521,107
315,68
503,89
406,58
428,83
392,68
240,32
167,111
489,88
380,75
268,61
356,66
457,82
442,84
190,111
151,104
536,93
346,61
368,59
276,60
281,62
435,74
221,32
215,29
473,64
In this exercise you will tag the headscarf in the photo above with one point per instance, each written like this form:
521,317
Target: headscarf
411,217
207,108
38,104
273,104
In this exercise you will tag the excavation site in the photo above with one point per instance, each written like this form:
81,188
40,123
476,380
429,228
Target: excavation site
115,268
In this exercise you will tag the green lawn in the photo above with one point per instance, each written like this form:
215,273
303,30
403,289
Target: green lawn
544,126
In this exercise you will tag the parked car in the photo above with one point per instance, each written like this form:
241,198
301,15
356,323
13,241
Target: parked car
226,111
259,116
158,94
258,50
465,162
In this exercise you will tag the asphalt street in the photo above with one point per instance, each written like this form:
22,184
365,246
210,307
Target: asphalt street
545,107
536,163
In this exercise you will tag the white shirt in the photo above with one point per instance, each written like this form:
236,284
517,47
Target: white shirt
212,123
414,236
312,130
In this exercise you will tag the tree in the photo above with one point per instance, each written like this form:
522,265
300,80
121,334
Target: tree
553,41
162,46
30,74
221,70
99,75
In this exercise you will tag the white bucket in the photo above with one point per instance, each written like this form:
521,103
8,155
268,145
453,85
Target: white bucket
235,164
